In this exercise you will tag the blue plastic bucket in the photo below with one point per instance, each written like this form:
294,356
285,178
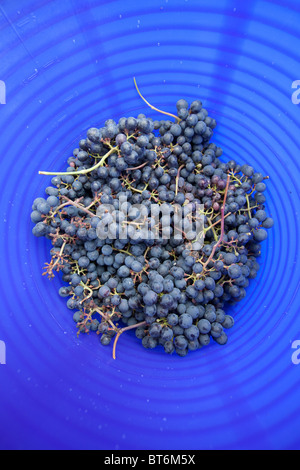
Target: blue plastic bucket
67,66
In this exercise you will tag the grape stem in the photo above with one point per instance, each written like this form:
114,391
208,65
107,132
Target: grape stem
122,331
137,167
60,254
216,223
248,206
79,206
177,179
81,172
153,107
222,225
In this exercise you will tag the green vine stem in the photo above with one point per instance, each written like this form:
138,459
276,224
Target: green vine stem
153,107
81,172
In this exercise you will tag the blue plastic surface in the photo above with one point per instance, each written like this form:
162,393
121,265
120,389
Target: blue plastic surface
69,65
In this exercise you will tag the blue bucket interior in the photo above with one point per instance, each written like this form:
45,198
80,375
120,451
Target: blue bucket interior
67,66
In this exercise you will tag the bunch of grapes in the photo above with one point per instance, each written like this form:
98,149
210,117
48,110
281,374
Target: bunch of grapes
127,266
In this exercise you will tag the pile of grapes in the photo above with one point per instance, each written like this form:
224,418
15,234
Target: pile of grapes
128,266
